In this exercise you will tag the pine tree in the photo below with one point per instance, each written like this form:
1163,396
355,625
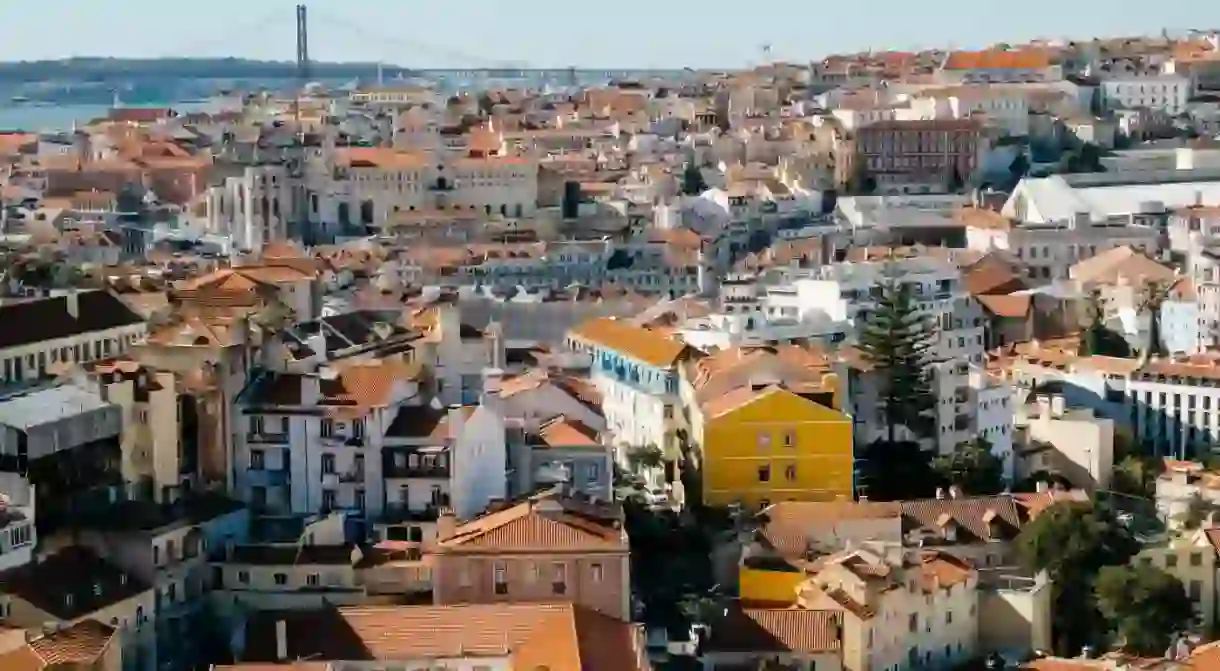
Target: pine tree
895,339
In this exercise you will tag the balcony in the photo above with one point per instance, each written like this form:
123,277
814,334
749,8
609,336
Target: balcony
399,513
262,437
351,476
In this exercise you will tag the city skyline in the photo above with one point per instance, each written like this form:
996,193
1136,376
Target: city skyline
481,33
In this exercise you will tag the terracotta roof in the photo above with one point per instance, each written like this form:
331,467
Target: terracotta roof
1033,503
81,643
996,59
761,630
967,513
1015,307
559,637
50,318
789,522
974,217
564,432
545,523
635,342
992,275
940,570
376,157
1121,264
1183,290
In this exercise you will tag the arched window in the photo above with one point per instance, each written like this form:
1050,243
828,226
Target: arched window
366,213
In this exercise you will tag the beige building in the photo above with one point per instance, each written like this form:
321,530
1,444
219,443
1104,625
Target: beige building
548,548
792,639
1191,558
899,610
1070,442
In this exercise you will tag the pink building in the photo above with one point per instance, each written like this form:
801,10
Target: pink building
546,549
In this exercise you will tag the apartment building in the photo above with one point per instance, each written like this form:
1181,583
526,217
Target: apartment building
74,585
18,535
1175,404
550,547
999,66
801,640
1189,556
313,443
65,440
899,610
636,372
1164,93
920,156
77,327
167,547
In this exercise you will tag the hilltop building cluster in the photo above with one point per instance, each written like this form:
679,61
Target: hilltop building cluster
386,378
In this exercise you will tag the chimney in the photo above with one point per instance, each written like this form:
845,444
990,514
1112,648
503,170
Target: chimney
955,492
940,493
446,524
1057,406
281,640
1042,487
73,304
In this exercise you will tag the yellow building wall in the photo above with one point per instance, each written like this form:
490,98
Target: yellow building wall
738,444
772,587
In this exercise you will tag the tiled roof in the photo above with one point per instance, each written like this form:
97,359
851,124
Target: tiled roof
1120,264
1013,307
81,643
761,630
49,318
638,343
564,432
996,59
969,514
558,637
547,523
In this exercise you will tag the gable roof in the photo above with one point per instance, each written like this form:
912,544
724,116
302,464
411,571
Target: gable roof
772,630
1120,264
559,637
70,583
544,523
28,322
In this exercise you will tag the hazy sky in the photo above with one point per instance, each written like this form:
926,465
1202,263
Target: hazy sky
618,33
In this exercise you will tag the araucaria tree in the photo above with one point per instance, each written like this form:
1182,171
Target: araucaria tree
895,339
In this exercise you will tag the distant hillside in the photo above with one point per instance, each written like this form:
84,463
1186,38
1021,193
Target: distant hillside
134,70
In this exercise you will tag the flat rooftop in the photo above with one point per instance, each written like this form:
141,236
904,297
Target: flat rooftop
27,410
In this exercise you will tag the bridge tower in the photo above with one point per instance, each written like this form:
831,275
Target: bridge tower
302,44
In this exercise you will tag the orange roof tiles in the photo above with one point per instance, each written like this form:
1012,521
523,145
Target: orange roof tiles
81,643
996,59
564,432
638,343
547,523
773,630
376,157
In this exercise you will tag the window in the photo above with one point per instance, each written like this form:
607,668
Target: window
464,579
913,622
243,577
594,472
360,499
499,573
789,439
1196,559
313,580
328,464
559,583
358,429
1171,561
256,460
764,439
328,499
328,428
157,555
764,473
790,473
595,572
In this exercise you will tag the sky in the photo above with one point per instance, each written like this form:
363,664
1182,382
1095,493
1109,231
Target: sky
559,33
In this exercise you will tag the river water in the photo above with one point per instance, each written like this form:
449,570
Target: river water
60,118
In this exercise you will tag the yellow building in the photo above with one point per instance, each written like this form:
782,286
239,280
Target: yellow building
766,444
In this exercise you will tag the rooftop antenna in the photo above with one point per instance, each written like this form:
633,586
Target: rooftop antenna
766,54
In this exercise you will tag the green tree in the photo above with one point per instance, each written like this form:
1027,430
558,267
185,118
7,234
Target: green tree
648,456
1072,542
895,339
1152,297
1197,511
1143,606
693,183
1098,339
895,471
972,467
1136,474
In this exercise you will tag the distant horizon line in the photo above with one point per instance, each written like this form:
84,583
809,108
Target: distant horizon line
265,61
